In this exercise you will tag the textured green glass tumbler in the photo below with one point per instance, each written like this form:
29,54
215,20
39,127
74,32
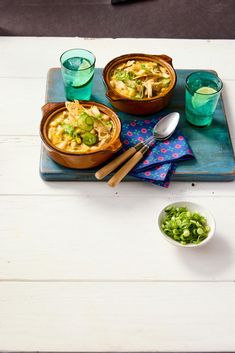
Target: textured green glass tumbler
77,68
202,94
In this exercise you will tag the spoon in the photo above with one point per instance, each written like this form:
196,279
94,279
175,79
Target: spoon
161,131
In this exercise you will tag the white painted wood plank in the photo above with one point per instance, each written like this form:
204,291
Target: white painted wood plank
19,174
20,105
163,317
36,55
108,238
22,117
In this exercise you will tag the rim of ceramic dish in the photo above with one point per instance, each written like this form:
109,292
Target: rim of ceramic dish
203,94
79,49
199,208
47,117
114,62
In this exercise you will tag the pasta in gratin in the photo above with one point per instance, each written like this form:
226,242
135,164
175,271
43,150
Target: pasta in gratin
80,129
139,79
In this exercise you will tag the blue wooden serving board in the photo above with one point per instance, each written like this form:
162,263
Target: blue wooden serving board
212,147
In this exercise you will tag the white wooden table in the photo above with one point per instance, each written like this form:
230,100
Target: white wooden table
83,266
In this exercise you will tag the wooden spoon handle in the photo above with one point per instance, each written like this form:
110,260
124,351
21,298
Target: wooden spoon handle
115,180
108,168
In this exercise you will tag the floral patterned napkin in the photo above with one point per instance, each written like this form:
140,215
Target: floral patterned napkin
160,161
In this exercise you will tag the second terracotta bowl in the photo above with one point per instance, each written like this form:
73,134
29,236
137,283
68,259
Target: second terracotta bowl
80,160
141,106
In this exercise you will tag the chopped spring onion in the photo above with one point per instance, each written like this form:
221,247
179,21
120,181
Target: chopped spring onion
184,226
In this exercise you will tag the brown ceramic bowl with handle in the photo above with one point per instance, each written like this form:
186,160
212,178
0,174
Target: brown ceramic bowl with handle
75,159
141,106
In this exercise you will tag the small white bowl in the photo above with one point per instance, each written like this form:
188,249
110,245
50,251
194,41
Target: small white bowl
191,206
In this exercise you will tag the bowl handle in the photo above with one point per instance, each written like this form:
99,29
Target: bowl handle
113,97
164,57
49,107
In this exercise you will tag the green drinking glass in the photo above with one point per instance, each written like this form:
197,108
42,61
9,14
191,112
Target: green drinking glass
77,68
202,94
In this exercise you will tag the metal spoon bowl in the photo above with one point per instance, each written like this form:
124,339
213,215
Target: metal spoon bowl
166,126
163,130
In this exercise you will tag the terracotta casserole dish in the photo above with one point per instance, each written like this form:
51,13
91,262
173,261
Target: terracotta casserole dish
142,106
75,159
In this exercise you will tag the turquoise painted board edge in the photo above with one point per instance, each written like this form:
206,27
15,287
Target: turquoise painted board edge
211,145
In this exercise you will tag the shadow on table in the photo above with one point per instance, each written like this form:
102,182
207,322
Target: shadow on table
210,260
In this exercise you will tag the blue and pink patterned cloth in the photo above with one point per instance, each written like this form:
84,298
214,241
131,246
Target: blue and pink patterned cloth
160,161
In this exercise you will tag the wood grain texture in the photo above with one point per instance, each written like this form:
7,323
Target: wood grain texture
122,317
42,241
